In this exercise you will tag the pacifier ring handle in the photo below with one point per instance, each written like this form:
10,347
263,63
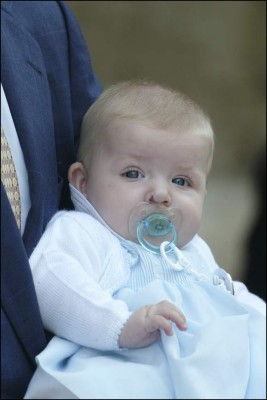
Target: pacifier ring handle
164,249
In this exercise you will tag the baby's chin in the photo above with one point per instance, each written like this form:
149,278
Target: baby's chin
184,241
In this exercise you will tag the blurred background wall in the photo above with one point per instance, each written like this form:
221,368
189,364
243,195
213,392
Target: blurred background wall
215,52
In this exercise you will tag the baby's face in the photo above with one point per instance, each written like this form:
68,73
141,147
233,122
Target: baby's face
134,163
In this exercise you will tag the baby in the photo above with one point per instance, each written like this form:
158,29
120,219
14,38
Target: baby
138,305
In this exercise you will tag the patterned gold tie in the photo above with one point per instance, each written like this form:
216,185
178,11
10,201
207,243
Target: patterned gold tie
9,178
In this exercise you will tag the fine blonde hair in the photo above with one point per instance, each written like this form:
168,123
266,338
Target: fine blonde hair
148,102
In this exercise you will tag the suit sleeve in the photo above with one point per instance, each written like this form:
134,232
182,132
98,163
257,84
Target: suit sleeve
84,84
72,81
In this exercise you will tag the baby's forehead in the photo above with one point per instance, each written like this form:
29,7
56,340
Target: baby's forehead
133,129
136,134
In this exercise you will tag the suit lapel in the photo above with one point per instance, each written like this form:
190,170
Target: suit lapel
26,86
25,83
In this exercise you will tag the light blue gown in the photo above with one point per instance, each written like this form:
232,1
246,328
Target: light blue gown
221,355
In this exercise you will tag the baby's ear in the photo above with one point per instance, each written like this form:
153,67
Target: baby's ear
77,176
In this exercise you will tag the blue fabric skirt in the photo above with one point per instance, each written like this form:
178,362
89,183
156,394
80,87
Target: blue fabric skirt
221,355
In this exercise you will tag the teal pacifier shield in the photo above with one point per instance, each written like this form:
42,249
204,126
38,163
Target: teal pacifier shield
152,224
157,225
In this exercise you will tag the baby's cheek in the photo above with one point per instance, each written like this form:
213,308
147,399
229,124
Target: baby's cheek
187,231
119,225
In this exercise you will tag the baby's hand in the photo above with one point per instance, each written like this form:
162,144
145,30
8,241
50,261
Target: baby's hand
142,328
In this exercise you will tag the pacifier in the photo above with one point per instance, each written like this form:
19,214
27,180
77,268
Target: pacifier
152,224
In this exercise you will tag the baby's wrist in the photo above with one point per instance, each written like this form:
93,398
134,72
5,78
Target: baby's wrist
120,340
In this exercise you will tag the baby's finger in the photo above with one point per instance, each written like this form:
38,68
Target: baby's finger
159,322
172,313
177,318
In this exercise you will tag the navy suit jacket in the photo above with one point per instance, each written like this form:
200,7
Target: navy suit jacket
49,84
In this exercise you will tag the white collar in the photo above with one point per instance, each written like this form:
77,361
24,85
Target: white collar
82,204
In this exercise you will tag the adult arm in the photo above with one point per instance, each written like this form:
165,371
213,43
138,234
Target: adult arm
49,83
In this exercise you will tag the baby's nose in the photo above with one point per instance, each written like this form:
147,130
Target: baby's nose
159,195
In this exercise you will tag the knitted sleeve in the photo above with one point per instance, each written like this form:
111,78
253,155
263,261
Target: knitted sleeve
73,255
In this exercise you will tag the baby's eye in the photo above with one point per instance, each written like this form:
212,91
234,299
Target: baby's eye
180,181
133,174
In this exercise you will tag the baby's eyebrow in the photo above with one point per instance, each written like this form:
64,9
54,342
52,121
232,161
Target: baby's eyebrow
191,172
134,156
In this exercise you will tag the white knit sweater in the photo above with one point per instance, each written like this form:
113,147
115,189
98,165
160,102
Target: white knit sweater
77,266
